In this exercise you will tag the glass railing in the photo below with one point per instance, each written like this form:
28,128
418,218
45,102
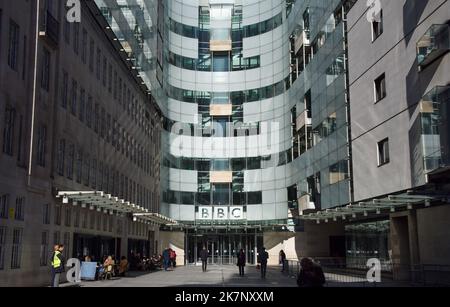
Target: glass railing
434,113
433,44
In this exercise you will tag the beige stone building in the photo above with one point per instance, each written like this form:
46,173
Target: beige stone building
74,117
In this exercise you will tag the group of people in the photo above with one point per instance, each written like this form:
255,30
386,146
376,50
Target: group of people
169,258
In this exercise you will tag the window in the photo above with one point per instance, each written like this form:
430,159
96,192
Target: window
8,131
339,172
74,97
70,161
82,107
4,206
2,247
383,152
99,57
380,88
58,216
44,249
45,70
16,251
65,90
105,71
84,46
41,145
66,29
68,217
89,112
19,213
66,242
61,157
56,238
79,166
96,118
91,55
76,222
377,27
46,214
76,37
13,54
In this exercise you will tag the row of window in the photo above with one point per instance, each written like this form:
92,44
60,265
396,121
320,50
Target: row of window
78,165
16,212
104,72
246,31
221,196
217,62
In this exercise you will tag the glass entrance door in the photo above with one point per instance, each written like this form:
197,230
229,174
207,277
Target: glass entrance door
222,248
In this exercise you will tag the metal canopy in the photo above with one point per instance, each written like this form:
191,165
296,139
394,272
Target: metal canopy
379,206
108,204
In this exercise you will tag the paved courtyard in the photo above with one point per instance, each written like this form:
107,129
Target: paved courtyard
192,276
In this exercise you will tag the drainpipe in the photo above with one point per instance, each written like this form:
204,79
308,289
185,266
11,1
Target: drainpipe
33,107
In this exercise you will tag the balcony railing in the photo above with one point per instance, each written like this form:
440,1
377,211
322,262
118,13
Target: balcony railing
50,29
434,44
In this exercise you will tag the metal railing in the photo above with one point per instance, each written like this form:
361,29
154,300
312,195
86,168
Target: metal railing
337,274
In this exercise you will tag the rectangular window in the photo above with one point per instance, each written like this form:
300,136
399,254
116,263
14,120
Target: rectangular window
84,46
13,52
45,70
2,247
97,118
41,145
91,55
380,88
68,217
105,71
56,238
16,251
8,131
99,64
46,214
377,26
61,157
70,160
76,37
65,90
4,206
383,152
19,213
82,107
44,249
79,164
66,29
89,107
76,222
110,78
58,216
87,169
74,97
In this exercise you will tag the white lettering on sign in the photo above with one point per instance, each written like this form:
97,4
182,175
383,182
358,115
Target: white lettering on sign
220,213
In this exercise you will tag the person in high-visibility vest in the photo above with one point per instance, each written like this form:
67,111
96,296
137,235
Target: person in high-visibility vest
57,265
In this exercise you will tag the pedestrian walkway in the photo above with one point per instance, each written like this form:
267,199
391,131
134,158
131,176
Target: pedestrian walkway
192,276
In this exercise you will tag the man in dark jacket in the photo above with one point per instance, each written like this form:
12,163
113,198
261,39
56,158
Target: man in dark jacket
311,274
58,263
263,257
166,259
204,257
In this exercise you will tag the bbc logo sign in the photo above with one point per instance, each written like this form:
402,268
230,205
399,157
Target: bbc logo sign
220,213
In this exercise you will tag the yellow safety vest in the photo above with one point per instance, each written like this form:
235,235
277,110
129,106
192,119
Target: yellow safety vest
56,261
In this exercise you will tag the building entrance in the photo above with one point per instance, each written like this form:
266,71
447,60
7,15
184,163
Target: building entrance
223,248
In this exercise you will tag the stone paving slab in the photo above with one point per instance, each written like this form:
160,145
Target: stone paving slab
192,276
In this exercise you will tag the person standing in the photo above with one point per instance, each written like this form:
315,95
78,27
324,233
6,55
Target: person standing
311,274
166,259
263,258
58,263
241,262
204,257
283,260
173,258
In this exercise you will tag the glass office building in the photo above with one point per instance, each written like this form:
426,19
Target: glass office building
255,105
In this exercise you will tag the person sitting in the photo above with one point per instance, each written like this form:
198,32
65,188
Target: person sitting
123,266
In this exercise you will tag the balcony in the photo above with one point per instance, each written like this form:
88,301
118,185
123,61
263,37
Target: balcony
221,177
50,30
434,114
221,110
433,45
220,45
